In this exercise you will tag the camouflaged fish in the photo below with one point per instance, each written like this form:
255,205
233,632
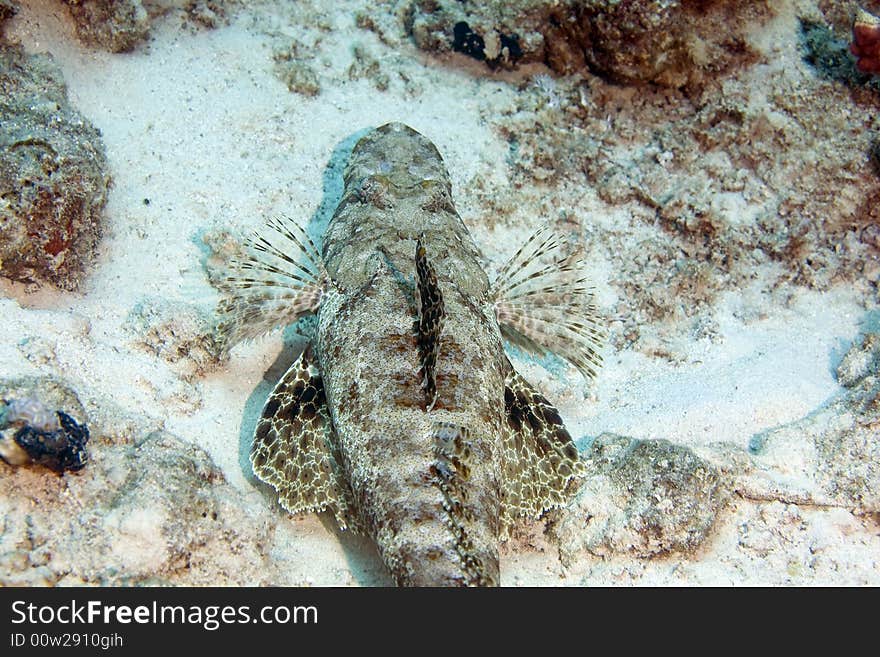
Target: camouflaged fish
404,417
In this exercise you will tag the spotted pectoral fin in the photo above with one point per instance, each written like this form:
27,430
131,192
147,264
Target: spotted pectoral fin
544,303
279,278
540,464
430,322
294,447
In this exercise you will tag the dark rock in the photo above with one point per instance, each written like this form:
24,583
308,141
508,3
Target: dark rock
35,429
180,334
295,71
8,9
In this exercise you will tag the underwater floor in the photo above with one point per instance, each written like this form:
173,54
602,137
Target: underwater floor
728,219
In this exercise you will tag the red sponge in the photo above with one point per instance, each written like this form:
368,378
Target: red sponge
866,41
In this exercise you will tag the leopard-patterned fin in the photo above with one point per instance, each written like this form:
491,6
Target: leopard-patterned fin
279,278
430,323
544,303
294,447
540,464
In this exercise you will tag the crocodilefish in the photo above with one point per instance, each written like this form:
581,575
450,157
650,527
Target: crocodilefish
404,417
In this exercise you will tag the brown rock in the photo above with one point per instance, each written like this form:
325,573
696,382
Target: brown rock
53,175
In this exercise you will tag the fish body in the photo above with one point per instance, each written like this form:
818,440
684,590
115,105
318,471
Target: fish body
404,417
367,347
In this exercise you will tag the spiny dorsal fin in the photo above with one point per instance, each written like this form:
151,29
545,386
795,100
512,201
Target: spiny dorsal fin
280,278
430,322
294,447
540,463
548,305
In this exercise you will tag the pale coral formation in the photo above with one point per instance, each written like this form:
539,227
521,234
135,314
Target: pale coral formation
294,69
154,512
723,191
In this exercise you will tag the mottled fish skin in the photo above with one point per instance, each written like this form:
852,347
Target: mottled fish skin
396,190
405,418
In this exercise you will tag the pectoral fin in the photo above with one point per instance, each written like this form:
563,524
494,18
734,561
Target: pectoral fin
540,463
544,303
279,278
294,449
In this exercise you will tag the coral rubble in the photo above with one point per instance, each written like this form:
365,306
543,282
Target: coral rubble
178,333
8,9
123,25
669,43
149,508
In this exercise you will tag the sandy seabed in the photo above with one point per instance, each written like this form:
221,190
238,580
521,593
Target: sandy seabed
203,137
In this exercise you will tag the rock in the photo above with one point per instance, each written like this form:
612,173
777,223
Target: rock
832,456
208,13
365,65
36,426
858,370
154,512
148,508
672,43
294,70
8,9
59,447
53,175
849,455
180,334
47,391
299,77
643,497
114,25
